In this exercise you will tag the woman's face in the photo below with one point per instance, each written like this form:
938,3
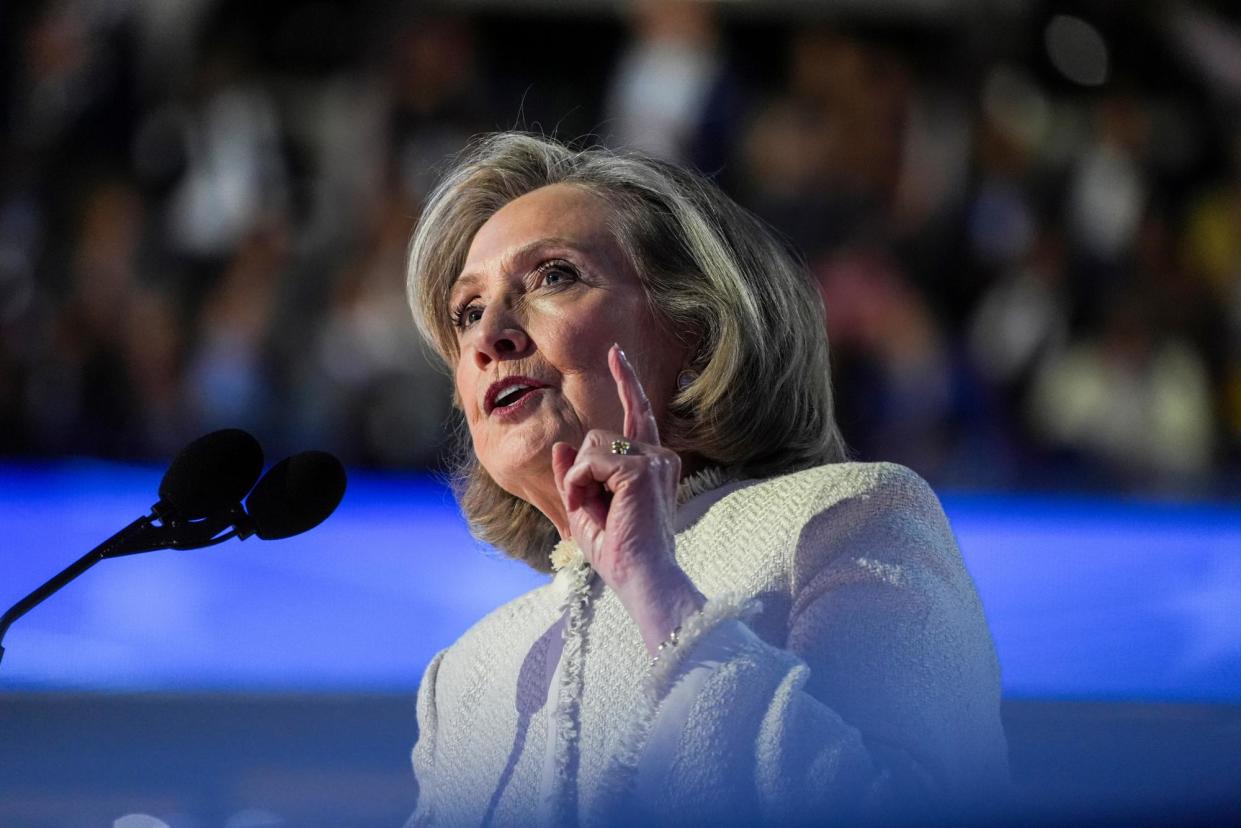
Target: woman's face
544,293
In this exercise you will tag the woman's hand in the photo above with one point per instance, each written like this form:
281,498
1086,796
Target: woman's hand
620,509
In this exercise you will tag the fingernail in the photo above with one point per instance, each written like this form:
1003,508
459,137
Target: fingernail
620,352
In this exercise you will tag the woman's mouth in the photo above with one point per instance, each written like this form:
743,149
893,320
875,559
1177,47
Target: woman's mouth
517,404
512,395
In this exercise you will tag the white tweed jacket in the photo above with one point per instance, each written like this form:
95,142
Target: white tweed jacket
841,671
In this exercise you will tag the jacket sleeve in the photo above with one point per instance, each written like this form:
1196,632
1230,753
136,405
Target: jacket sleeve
423,755
882,700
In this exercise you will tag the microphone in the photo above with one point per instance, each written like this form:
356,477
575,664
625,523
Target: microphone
296,495
210,475
200,498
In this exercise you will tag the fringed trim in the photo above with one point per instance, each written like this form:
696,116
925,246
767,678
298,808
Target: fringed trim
618,781
566,557
576,607
700,482
565,553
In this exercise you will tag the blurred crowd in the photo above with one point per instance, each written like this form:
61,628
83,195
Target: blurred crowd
1026,227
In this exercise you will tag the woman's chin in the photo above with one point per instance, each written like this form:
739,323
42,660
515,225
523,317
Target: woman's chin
526,460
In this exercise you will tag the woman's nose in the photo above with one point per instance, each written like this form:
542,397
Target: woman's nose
500,337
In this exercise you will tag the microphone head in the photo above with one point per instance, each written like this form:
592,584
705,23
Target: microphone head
296,494
211,474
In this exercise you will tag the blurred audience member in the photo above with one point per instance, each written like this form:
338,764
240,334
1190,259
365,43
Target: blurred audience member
1022,318
1109,190
891,355
671,93
1130,399
83,395
235,174
1212,250
371,390
822,158
231,379
437,102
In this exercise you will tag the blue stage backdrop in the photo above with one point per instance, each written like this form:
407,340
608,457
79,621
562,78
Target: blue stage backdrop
1087,598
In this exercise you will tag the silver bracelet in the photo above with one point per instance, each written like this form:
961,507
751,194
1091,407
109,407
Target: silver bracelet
668,643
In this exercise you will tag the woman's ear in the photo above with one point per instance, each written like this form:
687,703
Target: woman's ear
692,357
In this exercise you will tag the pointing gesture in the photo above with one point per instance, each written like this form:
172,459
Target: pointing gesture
619,493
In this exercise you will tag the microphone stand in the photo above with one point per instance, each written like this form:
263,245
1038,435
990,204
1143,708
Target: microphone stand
143,535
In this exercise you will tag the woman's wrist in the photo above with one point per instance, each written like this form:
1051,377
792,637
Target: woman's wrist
660,602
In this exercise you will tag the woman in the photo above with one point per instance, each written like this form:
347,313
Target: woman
742,626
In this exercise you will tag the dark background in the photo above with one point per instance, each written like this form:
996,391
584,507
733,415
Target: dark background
1024,216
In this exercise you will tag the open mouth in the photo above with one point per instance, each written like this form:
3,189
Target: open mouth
508,394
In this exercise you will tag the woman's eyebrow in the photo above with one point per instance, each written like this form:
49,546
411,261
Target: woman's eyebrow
512,259
466,281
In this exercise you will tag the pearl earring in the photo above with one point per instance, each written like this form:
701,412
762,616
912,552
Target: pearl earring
685,379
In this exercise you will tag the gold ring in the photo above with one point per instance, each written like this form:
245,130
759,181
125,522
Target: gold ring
622,447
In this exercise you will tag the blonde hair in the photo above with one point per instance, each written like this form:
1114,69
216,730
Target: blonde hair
761,403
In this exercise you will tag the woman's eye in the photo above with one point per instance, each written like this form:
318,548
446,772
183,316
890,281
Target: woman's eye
467,316
558,274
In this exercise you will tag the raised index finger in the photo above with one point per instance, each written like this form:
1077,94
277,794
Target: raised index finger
639,418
